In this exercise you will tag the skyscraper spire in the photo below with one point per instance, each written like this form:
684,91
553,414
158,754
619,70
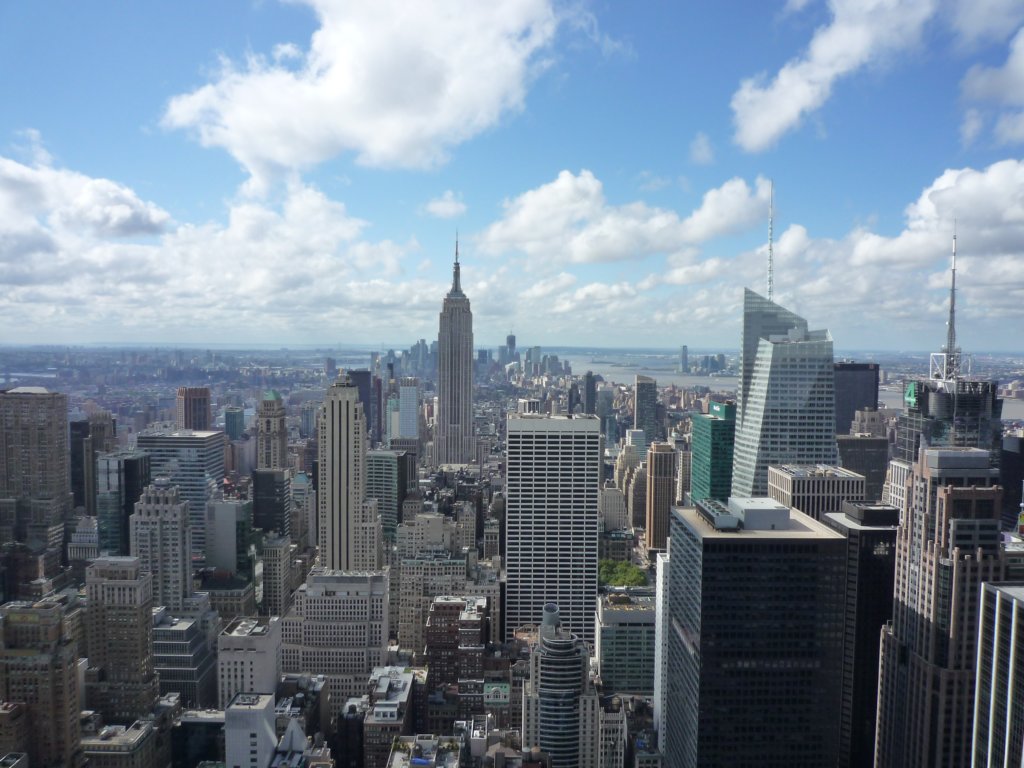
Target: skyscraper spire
456,273
771,255
952,353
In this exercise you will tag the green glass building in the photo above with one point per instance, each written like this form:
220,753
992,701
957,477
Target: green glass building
712,436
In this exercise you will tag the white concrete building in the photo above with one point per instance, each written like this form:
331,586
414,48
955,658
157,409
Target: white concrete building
159,532
248,657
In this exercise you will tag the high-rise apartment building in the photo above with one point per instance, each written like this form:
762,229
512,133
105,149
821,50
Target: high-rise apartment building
948,543
35,483
561,709
121,683
337,626
856,390
870,531
194,461
193,409
271,433
453,435
755,645
814,490
712,438
120,479
160,540
786,408
39,668
551,516
645,408
661,494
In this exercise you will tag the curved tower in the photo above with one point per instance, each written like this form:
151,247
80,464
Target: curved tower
453,437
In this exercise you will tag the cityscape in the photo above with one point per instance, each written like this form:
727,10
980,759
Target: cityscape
534,384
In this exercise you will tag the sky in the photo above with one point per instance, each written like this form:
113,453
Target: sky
296,173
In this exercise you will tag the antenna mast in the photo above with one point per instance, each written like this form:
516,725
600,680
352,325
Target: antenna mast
771,255
952,353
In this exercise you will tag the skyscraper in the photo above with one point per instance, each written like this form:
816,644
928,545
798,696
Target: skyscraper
160,540
561,710
193,461
856,390
947,544
409,408
713,435
193,409
589,393
453,438
121,683
645,408
661,493
998,733
272,500
35,484
551,514
120,479
347,521
786,410
755,640
272,433
684,359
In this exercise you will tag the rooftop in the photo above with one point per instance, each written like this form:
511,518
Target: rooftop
814,470
248,627
798,526
426,751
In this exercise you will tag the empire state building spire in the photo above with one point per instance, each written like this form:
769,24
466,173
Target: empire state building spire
453,433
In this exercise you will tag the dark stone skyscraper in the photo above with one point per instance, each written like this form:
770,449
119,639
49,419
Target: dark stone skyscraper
453,436
856,390
645,408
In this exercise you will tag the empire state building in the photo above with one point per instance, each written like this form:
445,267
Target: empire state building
453,437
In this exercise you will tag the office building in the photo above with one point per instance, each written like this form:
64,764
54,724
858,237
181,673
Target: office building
624,640
271,433
453,434
430,572
234,422
183,658
870,531
39,669
230,540
120,479
814,490
121,681
755,636
645,408
867,456
684,460
661,620
248,657
277,575
612,505
88,438
193,409
870,422
83,547
160,540
712,438
589,393
338,626
35,483
551,515
661,494
684,359
193,461
349,536
409,408
561,709
387,476
272,500
856,390
250,736
998,733
121,746
786,408
947,544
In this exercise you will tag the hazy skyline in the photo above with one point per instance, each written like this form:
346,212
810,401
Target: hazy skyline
294,172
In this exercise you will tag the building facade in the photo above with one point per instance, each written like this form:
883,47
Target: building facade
661,494
712,437
271,433
160,540
192,409
453,435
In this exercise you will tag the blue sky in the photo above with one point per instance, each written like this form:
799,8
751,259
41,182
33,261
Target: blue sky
295,172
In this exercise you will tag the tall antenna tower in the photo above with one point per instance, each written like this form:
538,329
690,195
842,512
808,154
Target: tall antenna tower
952,353
771,255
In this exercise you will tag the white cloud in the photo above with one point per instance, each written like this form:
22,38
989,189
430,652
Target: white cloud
971,126
1000,85
860,33
701,151
397,83
569,220
978,21
1010,128
447,206
544,288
